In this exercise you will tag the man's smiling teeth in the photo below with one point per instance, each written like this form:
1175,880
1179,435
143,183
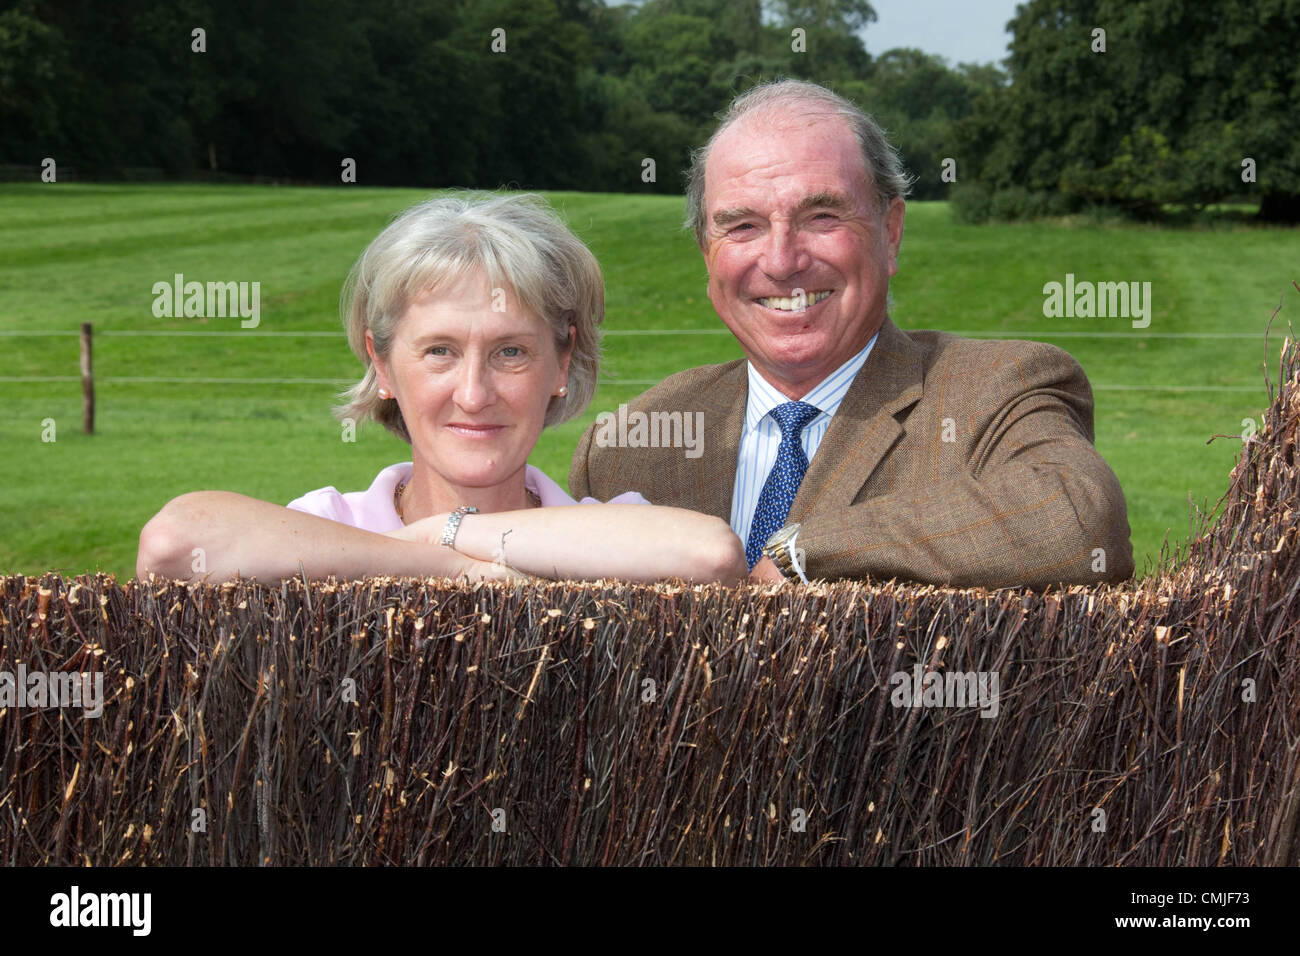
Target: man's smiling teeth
794,303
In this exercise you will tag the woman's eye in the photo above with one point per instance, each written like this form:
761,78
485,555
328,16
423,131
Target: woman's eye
512,351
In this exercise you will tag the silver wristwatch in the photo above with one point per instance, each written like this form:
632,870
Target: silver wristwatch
453,524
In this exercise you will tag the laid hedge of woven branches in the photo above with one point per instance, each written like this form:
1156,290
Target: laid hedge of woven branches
407,722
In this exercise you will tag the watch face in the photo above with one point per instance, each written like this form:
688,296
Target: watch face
782,535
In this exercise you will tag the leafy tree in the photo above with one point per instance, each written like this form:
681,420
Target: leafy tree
917,97
1182,94
835,16
32,56
409,96
526,109
674,56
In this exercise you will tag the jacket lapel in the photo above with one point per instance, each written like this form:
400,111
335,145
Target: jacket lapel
864,427
724,417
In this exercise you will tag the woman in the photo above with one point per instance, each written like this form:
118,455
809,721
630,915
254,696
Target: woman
476,322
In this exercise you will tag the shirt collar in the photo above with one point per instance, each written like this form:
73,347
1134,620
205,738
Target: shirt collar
826,395
548,491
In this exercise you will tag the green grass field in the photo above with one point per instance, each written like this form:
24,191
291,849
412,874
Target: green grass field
182,412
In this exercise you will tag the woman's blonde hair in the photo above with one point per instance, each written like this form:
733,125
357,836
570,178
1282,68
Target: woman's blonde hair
519,243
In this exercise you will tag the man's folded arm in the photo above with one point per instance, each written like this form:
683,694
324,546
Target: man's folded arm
1036,505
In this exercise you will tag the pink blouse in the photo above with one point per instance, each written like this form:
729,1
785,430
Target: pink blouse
372,509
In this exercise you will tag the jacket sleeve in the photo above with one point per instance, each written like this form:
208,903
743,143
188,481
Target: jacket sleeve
580,484
1035,503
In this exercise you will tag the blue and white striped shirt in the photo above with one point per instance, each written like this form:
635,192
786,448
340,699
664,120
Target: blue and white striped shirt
761,436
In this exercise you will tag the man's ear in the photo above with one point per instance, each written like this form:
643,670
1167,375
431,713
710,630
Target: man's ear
894,230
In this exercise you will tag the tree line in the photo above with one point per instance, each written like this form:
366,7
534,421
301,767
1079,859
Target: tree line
579,94
556,94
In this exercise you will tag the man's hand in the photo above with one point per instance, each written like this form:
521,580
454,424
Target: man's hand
766,572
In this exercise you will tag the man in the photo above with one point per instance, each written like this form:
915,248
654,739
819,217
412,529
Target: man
844,447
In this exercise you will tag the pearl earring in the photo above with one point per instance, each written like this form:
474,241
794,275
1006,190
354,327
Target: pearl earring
383,393
564,389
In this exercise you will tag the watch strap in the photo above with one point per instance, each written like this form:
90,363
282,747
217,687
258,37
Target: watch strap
453,524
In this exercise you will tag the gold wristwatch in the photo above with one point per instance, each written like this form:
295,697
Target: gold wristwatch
780,549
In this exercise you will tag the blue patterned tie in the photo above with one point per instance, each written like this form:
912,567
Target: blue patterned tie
783,481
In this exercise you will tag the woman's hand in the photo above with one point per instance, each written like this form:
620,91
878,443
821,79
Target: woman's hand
428,532
494,571
423,531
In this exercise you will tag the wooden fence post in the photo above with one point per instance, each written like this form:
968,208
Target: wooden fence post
87,383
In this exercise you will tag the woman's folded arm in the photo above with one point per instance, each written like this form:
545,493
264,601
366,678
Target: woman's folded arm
585,542
219,534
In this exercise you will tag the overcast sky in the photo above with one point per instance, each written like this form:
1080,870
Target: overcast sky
961,31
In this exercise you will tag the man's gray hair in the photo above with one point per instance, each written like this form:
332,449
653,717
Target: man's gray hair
519,242
883,165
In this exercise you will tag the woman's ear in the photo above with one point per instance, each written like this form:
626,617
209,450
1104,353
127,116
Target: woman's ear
566,354
381,370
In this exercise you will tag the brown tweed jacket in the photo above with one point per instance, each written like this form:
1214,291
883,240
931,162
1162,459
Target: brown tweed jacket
950,461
